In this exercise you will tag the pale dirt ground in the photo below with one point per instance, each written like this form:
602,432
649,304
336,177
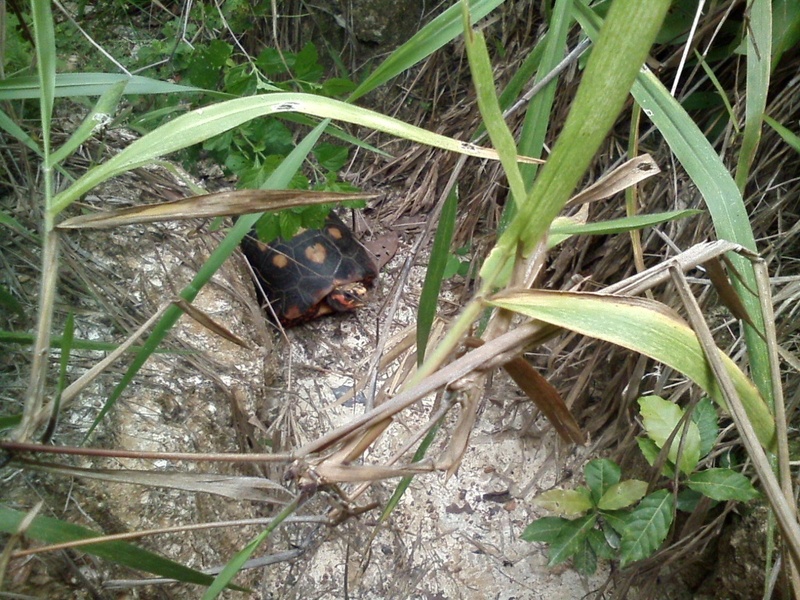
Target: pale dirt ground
448,539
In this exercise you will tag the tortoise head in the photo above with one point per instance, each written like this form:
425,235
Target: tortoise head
346,297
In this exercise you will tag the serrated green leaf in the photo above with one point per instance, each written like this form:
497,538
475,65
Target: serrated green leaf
660,418
705,417
585,559
722,485
617,521
647,526
570,539
650,451
545,529
687,500
601,474
565,502
331,156
599,543
623,494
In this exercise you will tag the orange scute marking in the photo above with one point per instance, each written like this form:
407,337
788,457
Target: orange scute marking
316,253
291,313
280,261
335,232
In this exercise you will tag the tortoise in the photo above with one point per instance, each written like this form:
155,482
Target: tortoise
317,272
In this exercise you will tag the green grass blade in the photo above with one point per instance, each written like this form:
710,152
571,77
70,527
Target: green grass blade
97,118
235,564
10,303
45,35
442,30
564,228
67,85
55,531
788,136
623,45
16,131
429,298
492,117
203,123
15,337
759,59
646,327
537,117
719,190
279,179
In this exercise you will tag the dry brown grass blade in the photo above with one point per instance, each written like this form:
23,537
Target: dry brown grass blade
500,350
220,204
784,510
329,472
256,489
209,323
630,173
74,389
725,291
544,396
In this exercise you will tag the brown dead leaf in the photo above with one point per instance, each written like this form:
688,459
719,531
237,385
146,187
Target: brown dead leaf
220,204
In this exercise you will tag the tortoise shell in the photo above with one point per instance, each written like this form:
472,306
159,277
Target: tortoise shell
317,272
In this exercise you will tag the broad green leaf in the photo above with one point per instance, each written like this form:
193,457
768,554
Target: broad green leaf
545,529
10,303
584,559
722,485
54,531
601,474
616,59
661,418
646,527
708,172
786,27
89,84
600,543
203,123
705,417
623,494
644,326
570,539
617,521
9,421
565,502
688,500
650,451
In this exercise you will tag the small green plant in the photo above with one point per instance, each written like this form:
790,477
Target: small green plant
458,263
618,520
